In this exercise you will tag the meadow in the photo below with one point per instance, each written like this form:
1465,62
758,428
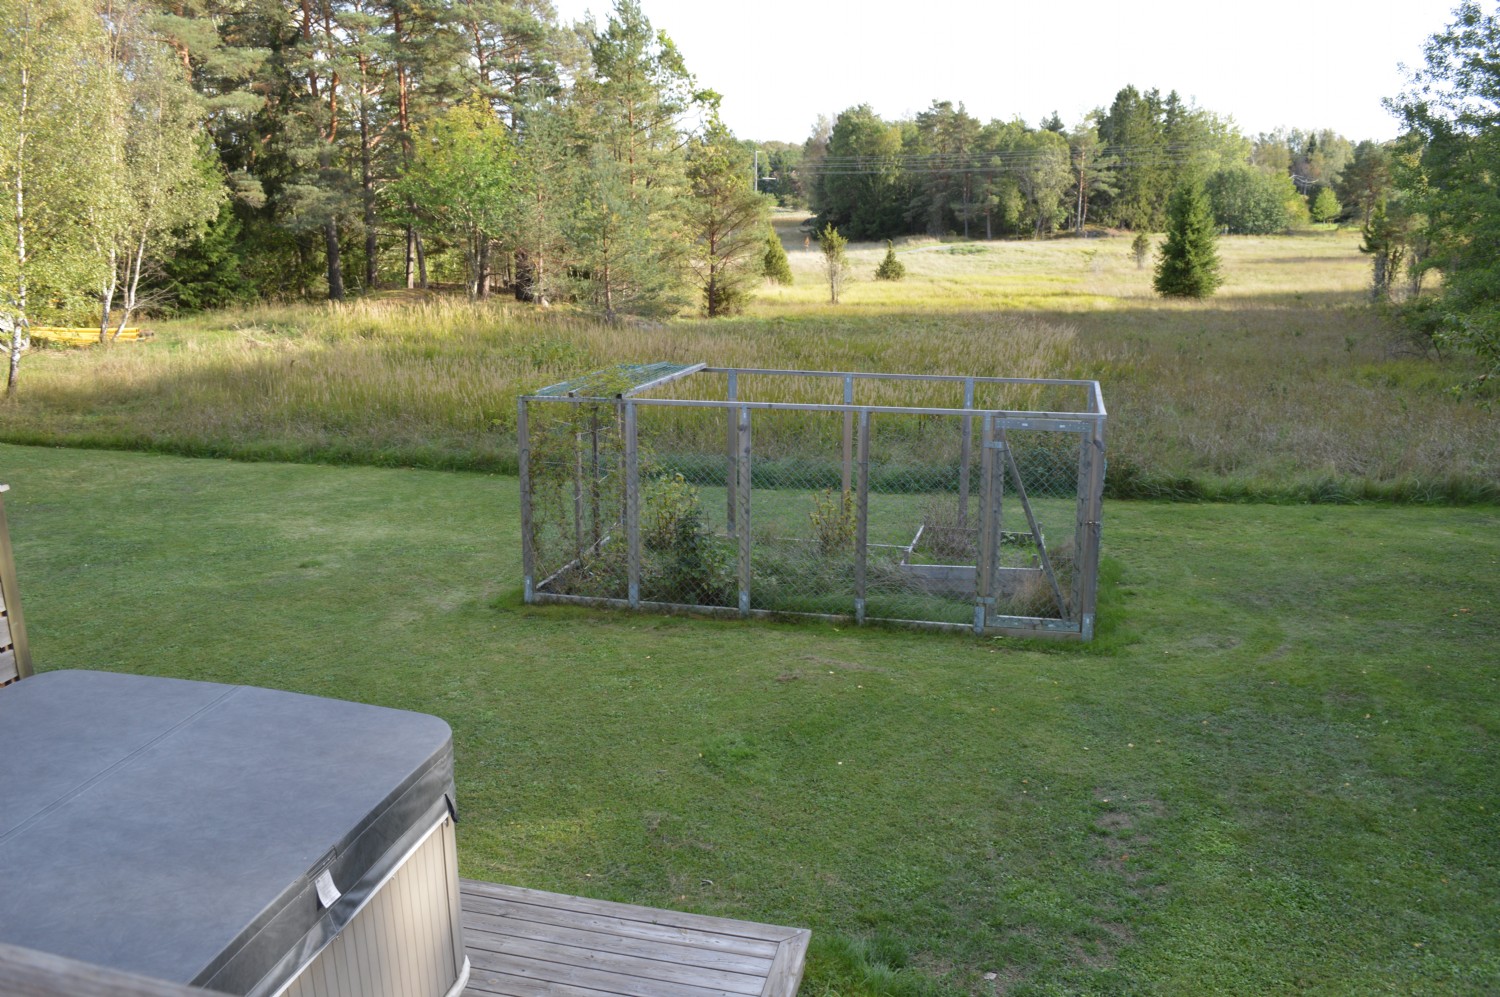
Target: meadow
1285,385
1272,771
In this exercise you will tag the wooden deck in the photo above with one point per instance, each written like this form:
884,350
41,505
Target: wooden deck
525,943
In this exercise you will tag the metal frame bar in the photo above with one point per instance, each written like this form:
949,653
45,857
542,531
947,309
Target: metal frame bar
1011,626
848,434
523,468
862,520
744,500
676,375
1092,466
632,507
873,376
965,454
731,444
1052,422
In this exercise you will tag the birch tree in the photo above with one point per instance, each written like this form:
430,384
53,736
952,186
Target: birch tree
58,156
170,182
461,182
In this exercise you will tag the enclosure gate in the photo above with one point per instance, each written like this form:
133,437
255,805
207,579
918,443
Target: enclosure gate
976,504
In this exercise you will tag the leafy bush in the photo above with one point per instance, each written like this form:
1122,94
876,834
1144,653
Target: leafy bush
1249,201
832,521
683,562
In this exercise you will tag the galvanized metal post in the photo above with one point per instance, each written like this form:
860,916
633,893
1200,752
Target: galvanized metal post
862,520
620,435
994,443
744,517
1092,529
632,509
523,468
732,449
594,496
848,436
984,567
577,496
964,456
1081,518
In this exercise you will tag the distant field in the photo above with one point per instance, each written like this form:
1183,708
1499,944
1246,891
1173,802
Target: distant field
1284,385
1274,771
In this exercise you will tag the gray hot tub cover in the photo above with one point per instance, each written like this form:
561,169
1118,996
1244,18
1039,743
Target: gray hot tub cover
176,829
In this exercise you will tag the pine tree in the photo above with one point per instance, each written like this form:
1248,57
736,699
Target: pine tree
627,230
1188,266
777,267
890,268
725,215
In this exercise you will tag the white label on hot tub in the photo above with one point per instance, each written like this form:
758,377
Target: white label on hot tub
327,892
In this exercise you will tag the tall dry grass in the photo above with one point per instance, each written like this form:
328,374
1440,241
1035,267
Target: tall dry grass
1285,384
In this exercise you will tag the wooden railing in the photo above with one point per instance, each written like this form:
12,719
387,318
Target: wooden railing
15,655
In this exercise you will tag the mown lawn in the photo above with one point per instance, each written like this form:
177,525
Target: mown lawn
1274,770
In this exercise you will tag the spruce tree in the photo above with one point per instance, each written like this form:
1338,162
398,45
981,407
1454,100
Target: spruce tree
890,268
777,267
1188,266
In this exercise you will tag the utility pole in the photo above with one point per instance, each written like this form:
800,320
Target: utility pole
755,181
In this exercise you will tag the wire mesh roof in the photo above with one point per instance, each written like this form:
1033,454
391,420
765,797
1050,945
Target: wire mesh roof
621,380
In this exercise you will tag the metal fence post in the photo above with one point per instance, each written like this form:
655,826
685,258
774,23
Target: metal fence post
964,455
732,449
632,508
862,520
1091,489
523,468
594,494
984,567
848,437
744,503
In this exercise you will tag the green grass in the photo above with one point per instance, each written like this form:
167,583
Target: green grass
1284,386
1274,770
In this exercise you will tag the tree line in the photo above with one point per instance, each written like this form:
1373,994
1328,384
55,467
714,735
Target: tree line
945,172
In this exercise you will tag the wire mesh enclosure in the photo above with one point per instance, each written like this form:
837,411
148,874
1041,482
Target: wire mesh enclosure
929,500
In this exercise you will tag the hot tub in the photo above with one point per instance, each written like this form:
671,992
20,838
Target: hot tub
238,839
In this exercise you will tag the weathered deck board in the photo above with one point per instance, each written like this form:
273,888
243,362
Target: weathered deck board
526,943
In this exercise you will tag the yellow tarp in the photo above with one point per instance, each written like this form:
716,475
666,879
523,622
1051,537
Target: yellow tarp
80,337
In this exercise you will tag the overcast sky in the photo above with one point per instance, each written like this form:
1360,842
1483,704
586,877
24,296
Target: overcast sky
1278,62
